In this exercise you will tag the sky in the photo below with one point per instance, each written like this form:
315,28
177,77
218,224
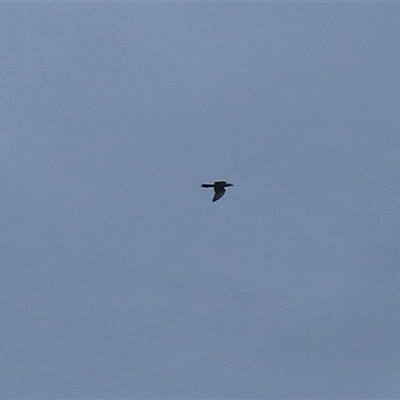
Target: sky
121,279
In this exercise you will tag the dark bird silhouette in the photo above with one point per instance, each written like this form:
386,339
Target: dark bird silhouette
219,188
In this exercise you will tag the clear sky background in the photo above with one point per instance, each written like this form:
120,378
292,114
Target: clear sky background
121,279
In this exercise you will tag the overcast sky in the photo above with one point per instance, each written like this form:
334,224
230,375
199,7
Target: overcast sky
121,279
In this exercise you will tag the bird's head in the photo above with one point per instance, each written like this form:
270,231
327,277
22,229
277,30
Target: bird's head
228,184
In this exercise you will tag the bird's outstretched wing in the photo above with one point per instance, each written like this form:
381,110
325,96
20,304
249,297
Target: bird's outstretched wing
207,185
218,194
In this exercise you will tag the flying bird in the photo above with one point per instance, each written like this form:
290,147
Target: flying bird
219,188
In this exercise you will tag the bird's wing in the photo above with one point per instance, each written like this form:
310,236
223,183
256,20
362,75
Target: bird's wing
218,194
207,185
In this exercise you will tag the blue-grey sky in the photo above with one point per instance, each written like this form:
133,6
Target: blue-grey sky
121,279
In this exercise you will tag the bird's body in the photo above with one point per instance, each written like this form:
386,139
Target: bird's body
219,188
